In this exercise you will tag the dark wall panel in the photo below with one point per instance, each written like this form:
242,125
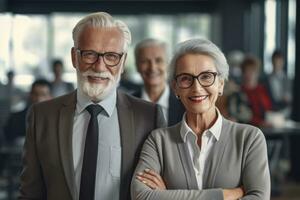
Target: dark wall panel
3,7
296,100
113,7
232,24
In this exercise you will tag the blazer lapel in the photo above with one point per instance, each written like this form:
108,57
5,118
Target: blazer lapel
127,132
172,113
215,157
176,109
65,129
186,160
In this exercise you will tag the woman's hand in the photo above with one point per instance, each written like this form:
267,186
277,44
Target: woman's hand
233,194
151,179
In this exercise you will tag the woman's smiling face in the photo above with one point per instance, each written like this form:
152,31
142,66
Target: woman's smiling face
198,99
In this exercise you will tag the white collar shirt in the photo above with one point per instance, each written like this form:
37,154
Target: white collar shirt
208,139
163,100
107,183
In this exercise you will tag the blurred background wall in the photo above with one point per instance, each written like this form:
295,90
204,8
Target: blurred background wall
34,32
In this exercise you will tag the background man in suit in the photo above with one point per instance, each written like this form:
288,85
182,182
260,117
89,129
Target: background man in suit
151,62
15,126
58,141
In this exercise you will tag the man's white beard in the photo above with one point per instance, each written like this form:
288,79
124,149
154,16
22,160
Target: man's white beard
95,91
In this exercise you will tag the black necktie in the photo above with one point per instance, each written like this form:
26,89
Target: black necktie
89,165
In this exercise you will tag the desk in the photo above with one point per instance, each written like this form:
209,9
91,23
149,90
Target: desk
290,137
10,156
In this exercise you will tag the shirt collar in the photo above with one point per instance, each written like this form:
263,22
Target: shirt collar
215,130
108,103
163,100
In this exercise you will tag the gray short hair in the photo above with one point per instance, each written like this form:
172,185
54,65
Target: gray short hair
148,43
200,46
102,19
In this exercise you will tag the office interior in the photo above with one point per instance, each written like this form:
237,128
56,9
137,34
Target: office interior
33,33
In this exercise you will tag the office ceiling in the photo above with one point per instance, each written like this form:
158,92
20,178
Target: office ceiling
112,6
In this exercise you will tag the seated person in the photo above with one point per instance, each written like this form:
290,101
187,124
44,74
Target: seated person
15,127
238,107
257,96
205,156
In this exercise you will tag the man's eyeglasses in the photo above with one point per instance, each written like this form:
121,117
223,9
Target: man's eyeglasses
111,59
186,80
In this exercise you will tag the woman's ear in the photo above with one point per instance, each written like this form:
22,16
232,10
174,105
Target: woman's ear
221,86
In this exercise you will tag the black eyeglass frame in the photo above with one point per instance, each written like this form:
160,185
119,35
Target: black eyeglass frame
102,55
196,77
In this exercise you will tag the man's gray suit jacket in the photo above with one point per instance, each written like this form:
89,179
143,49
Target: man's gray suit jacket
238,158
48,171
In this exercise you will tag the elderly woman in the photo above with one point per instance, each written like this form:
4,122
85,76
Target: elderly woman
205,156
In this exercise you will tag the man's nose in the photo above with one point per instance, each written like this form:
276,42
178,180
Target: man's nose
100,65
152,64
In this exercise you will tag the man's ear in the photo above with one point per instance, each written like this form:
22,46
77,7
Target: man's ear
123,67
73,56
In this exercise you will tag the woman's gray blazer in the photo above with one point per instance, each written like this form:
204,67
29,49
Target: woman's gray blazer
238,158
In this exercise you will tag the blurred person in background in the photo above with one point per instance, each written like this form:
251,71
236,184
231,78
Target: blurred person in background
233,84
15,126
152,64
252,101
58,85
257,96
235,59
205,156
279,85
12,99
16,95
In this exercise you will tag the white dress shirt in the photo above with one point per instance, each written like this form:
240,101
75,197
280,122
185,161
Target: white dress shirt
208,138
107,185
163,100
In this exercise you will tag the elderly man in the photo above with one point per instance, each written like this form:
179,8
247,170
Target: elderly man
85,145
151,63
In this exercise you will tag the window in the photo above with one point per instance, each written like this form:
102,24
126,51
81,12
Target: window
270,37
291,39
30,42
24,46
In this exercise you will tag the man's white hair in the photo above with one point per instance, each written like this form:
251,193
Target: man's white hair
149,42
102,20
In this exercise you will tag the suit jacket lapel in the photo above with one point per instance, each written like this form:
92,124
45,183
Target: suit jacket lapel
185,160
127,132
172,112
65,129
215,157
176,109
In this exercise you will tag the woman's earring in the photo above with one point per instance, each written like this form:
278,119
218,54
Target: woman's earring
220,93
177,96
